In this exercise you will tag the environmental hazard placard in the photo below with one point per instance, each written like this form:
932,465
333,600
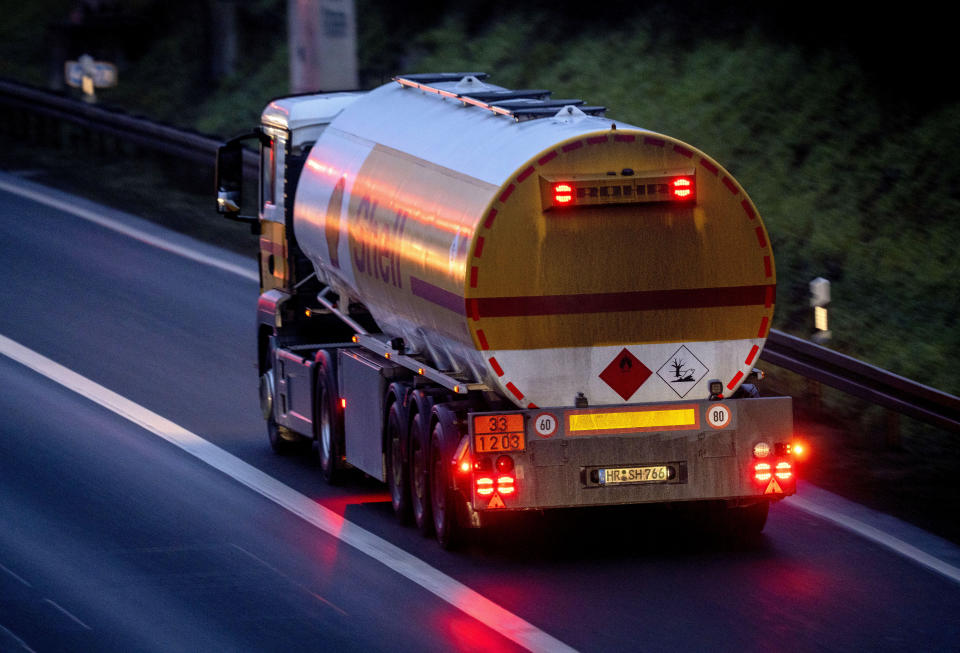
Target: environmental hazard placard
682,371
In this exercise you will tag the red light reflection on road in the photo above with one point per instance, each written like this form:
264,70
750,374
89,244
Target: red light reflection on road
339,504
462,633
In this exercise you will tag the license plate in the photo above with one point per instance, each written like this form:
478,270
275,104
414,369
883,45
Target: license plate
621,475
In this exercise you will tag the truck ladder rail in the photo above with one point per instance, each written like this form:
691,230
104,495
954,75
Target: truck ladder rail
537,105
330,306
381,345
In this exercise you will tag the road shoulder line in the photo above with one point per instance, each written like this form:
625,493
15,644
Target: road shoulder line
154,235
841,517
445,587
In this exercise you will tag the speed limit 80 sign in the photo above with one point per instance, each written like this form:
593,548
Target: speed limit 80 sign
719,416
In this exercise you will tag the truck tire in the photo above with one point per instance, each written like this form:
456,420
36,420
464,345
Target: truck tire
328,431
443,499
420,473
398,473
283,441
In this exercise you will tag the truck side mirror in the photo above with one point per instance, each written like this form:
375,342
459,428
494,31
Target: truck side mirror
228,181
229,178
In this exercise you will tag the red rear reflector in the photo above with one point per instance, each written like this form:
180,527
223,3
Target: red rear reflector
562,193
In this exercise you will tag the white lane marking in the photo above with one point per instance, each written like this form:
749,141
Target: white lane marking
452,591
132,232
16,639
16,576
876,535
69,615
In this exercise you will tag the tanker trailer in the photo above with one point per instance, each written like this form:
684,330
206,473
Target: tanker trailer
496,301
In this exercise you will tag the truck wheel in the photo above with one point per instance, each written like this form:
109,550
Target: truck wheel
442,497
328,442
397,473
282,440
420,475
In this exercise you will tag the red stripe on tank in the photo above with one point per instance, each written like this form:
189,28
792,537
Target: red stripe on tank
643,300
762,239
734,380
762,333
546,158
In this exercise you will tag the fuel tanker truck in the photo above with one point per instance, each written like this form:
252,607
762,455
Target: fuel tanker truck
495,301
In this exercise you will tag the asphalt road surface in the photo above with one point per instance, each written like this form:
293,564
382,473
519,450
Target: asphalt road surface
112,538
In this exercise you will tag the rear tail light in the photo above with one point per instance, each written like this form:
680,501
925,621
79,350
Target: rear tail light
784,470
562,194
681,188
484,486
506,485
762,472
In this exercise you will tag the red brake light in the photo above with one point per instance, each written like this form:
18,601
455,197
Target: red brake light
562,194
784,470
506,485
762,472
681,188
485,486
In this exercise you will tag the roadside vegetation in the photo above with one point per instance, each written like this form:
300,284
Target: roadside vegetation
844,137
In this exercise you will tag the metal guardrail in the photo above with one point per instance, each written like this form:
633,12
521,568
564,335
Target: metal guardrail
143,132
805,358
863,380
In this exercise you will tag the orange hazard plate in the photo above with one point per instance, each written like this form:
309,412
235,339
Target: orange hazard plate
495,433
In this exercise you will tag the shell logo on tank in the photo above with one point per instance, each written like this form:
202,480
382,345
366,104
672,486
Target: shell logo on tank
331,224
374,235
